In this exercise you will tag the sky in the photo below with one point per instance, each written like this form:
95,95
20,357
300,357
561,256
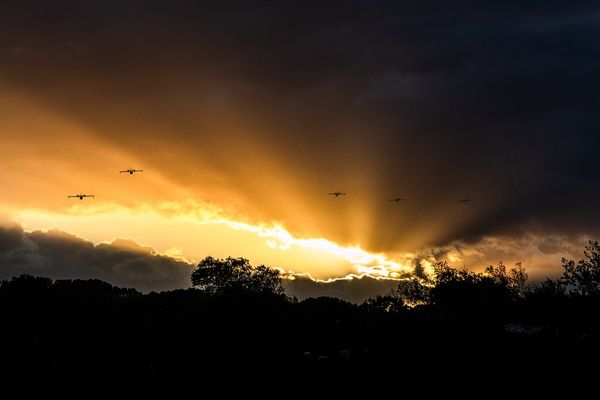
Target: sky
244,115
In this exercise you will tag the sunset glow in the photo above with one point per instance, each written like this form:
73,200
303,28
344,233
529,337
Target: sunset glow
191,235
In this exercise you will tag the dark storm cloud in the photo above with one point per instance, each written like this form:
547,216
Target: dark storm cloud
59,255
428,100
354,290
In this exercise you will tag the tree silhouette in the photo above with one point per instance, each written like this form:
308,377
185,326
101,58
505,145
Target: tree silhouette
214,275
27,285
583,278
463,289
412,292
514,279
239,313
389,303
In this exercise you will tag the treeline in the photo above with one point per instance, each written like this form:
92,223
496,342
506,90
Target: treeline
447,323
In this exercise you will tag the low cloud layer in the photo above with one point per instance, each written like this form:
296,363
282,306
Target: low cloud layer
540,254
59,255
124,263
354,290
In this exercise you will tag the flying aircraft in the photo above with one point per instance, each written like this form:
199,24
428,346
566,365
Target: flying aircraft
80,196
130,171
337,194
398,199
465,200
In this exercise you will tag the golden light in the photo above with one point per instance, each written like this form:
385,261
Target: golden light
48,153
191,230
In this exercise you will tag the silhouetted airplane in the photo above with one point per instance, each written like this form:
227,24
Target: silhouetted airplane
465,200
130,171
398,199
337,194
80,196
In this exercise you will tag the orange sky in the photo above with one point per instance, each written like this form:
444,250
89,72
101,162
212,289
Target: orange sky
194,200
47,156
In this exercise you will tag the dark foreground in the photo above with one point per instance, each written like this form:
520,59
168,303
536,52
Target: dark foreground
470,343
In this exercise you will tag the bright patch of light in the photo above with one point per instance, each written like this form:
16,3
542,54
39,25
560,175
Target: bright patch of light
365,263
189,231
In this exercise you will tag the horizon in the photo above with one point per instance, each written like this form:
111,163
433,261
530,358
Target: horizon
124,263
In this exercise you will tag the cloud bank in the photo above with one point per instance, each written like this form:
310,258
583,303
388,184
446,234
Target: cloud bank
59,255
124,263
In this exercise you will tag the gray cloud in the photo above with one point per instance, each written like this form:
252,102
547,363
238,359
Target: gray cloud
540,254
59,255
353,290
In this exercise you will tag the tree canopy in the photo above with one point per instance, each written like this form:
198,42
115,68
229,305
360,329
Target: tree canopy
583,277
214,275
239,313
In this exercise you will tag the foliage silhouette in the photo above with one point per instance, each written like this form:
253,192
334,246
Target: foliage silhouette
239,315
214,276
514,280
583,277
413,292
390,303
